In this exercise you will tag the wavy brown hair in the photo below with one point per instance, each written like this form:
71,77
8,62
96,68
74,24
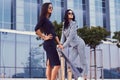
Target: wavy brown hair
44,10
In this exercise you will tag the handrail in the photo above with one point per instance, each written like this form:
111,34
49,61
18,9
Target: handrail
18,32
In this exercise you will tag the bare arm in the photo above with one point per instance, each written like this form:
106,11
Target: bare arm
59,43
57,39
40,34
43,36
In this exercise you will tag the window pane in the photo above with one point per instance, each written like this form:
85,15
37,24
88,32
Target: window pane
22,49
7,54
7,11
1,9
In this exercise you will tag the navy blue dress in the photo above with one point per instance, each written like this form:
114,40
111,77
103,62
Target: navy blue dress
49,45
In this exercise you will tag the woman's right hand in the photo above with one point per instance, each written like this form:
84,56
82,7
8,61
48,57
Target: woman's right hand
47,37
60,46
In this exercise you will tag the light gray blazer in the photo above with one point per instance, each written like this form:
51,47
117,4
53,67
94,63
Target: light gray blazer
74,47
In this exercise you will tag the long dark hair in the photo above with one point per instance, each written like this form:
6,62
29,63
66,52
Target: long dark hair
44,10
66,22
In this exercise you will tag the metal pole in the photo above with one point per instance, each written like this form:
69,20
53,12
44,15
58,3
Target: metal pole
0,53
102,64
109,58
15,53
90,64
102,74
30,67
95,64
118,57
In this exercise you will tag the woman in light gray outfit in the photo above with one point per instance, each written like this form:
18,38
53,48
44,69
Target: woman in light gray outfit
73,46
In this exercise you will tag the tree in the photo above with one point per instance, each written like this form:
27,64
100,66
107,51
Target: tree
58,28
117,36
92,37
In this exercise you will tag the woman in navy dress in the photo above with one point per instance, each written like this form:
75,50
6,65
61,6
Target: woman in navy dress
45,30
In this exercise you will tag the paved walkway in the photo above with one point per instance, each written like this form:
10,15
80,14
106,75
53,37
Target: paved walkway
42,79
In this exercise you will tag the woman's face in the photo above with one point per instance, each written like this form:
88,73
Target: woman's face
70,15
50,8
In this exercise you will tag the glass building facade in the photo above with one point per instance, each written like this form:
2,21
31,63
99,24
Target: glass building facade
5,14
20,53
117,14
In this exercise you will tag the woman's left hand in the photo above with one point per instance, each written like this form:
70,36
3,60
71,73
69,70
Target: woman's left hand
47,37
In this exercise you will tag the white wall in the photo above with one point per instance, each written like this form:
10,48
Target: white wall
110,57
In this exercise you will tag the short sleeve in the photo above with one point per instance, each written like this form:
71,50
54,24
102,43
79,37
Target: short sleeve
39,24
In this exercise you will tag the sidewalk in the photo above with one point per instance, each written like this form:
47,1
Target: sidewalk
43,79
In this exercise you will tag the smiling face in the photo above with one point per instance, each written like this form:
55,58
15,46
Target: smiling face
50,8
